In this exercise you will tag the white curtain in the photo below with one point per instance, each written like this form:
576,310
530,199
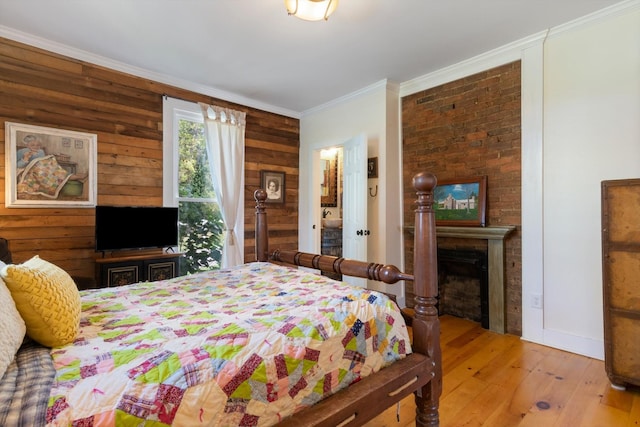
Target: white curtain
224,131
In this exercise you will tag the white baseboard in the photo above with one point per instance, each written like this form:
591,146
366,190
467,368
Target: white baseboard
580,345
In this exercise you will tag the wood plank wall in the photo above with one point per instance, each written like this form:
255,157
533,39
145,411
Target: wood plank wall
46,89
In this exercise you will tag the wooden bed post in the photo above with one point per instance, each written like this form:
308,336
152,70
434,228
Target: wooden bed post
262,235
425,321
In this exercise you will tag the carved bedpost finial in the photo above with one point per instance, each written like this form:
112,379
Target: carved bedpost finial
262,236
260,196
424,183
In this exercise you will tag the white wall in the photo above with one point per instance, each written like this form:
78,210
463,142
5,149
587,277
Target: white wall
591,133
367,113
580,125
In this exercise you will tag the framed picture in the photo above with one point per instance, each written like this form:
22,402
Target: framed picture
49,167
372,167
461,202
329,184
273,183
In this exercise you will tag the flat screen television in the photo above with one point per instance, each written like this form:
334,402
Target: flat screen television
133,227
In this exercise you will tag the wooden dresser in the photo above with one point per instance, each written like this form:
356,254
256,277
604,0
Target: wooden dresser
124,270
621,280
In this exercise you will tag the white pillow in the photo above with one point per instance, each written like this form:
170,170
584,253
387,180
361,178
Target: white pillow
12,327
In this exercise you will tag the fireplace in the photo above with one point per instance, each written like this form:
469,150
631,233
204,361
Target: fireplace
495,237
463,284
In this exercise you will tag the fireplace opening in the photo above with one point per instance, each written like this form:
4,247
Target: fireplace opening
463,284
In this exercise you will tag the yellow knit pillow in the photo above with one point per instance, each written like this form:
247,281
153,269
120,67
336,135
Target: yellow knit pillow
47,299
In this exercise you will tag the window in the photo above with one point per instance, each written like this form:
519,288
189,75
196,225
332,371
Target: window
187,184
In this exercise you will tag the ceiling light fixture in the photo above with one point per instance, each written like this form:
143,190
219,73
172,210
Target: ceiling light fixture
311,10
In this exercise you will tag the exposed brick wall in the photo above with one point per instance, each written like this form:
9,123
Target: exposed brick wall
465,128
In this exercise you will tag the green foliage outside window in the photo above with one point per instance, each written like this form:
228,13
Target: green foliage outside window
200,226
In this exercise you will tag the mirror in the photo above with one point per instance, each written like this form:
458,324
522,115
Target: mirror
329,184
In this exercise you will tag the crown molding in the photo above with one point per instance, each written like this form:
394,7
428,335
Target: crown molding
353,95
493,58
509,52
89,57
595,17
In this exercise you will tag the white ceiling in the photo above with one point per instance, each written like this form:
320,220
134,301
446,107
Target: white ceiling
253,52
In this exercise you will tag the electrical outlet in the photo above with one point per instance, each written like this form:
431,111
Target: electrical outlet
536,300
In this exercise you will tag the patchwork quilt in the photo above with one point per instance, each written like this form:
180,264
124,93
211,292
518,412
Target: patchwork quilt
246,346
43,176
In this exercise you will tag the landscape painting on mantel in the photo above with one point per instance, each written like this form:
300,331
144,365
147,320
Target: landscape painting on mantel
461,201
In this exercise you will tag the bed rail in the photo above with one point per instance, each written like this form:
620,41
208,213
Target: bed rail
384,273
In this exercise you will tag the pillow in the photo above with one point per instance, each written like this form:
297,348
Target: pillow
12,328
47,299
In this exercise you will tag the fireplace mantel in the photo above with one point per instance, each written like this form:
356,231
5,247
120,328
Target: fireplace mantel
495,236
486,233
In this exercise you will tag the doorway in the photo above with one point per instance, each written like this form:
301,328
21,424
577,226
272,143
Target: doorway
353,207
331,201
310,211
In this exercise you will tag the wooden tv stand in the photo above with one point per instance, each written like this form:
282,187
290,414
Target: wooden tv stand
123,269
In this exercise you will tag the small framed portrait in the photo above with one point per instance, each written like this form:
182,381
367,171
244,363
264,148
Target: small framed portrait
372,167
273,183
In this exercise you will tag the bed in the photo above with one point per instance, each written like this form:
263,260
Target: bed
266,343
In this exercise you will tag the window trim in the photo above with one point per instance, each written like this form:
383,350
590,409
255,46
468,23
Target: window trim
173,110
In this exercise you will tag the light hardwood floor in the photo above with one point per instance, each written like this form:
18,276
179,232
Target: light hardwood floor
502,381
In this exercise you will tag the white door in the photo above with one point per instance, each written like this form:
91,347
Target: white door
354,210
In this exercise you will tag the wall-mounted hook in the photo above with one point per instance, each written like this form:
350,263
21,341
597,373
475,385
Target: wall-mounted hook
376,193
